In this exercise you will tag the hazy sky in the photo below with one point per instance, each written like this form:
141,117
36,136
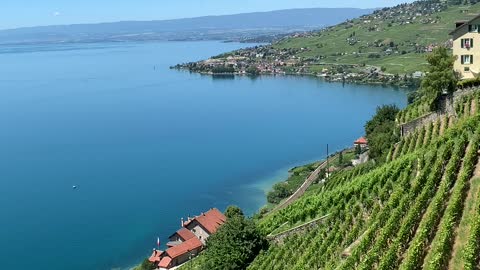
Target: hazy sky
19,13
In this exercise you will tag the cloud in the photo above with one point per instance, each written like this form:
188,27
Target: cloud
56,13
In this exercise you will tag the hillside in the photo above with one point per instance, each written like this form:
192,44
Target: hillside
369,48
236,27
419,210
416,206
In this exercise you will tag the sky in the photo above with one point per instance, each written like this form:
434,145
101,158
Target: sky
22,13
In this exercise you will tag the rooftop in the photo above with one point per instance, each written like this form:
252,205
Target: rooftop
185,234
156,254
460,24
165,262
210,220
183,248
361,140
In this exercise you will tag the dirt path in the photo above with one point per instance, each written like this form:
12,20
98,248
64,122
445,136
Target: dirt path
473,107
395,152
443,123
427,134
463,229
450,121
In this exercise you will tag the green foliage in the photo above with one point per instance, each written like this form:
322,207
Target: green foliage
234,211
279,192
252,71
469,83
297,177
223,69
441,77
233,246
443,242
471,253
381,131
402,214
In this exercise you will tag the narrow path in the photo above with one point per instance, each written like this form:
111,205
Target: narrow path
473,107
395,151
443,123
301,190
427,134
463,230
450,121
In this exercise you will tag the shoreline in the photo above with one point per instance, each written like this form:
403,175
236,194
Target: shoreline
337,78
265,185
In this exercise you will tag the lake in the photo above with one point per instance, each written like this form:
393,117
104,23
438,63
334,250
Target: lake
146,145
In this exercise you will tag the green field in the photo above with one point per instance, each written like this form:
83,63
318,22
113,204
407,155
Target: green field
334,48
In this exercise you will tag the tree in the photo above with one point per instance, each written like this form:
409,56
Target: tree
234,245
278,192
381,131
441,77
252,70
233,211
340,158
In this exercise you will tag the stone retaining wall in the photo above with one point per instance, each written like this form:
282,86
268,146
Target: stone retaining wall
446,108
279,238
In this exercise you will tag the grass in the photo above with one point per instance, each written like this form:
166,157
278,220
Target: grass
334,48
464,227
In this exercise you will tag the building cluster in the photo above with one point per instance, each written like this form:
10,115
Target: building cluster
420,11
189,240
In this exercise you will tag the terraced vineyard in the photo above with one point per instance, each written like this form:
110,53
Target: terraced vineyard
420,210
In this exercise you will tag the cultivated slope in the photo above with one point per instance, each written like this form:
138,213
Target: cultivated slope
406,214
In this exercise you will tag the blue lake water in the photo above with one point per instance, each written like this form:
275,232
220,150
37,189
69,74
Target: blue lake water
147,145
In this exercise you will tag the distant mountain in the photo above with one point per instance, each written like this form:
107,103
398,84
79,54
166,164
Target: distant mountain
227,27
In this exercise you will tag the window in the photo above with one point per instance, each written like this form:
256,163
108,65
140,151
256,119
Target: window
473,28
466,69
466,43
466,59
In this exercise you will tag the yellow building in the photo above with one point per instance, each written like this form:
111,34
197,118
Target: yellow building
466,46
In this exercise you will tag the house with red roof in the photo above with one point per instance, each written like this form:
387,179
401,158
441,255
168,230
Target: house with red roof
188,241
181,253
156,256
362,142
180,236
206,224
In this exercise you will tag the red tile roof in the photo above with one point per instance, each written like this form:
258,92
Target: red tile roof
361,140
185,234
165,262
184,247
156,254
210,220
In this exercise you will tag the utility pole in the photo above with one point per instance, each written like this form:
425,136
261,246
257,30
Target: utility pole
328,167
